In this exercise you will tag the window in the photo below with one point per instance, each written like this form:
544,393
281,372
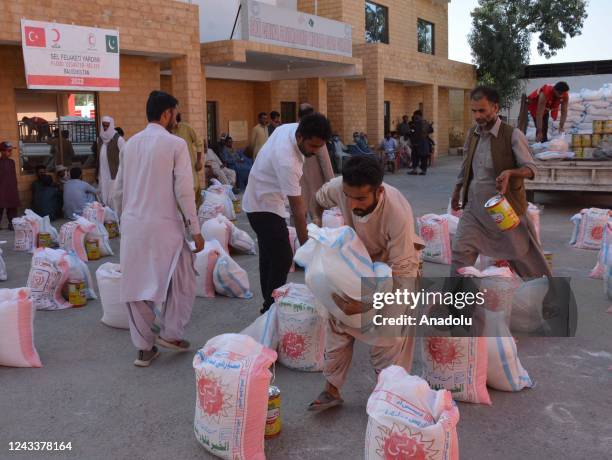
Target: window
288,112
376,23
387,119
425,36
56,128
211,124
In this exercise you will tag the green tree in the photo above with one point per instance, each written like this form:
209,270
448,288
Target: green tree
501,36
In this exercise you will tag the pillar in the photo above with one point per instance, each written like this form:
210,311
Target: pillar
188,88
431,109
375,107
467,112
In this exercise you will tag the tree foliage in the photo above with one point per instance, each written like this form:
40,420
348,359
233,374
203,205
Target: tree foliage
501,36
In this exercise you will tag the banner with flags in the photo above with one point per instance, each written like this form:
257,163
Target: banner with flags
68,57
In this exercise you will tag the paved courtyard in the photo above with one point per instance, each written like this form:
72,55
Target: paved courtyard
89,393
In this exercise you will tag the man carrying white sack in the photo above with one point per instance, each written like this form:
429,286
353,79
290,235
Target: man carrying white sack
155,199
497,161
382,219
275,177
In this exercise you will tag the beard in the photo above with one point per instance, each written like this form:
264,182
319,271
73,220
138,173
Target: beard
364,212
304,152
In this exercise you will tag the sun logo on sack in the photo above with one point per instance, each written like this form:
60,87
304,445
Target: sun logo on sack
427,233
401,444
445,352
212,396
597,232
293,344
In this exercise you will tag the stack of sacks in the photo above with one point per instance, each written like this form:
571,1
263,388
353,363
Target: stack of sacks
337,262
586,106
205,263
72,236
219,228
498,285
589,228
78,271
17,329
3,274
220,194
456,364
409,420
115,313
232,380
209,211
48,274
332,218
301,328
555,149
435,232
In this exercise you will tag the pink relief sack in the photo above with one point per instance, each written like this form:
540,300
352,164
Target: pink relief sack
205,264
232,381
26,234
72,236
409,420
17,329
94,212
457,364
48,274
434,231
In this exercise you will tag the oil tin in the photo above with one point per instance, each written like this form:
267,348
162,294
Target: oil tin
576,140
273,420
112,228
76,293
578,152
608,127
585,140
44,240
598,126
502,213
595,140
93,250
237,206
548,255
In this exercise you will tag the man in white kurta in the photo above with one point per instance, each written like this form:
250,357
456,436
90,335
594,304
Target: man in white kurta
155,199
109,144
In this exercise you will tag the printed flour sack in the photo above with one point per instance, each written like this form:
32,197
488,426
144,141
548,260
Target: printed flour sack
232,379
205,263
332,218
589,228
94,212
456,364
409,420
604,257
209,211
43,223
335,261
218,194
114,312
434,231
17,329
48,274
301,328
504,369
72,236
26,234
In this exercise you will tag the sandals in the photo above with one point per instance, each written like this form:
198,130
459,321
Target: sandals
325,401
176,345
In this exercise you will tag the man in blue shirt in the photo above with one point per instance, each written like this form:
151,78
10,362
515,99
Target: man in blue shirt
77,193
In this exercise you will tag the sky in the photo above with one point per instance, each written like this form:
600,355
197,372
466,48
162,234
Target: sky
594,43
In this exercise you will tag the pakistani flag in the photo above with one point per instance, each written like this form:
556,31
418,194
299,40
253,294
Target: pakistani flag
112,44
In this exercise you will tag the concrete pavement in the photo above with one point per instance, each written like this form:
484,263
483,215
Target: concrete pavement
89,393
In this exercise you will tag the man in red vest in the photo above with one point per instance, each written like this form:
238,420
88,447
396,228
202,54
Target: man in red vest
545,102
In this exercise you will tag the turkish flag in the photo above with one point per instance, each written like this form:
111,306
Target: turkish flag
35,36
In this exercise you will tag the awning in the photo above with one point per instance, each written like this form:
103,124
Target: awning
247,60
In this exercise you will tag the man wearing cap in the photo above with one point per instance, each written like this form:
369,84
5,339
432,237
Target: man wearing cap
9,196
109,145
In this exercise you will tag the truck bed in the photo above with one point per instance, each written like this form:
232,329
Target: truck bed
576,175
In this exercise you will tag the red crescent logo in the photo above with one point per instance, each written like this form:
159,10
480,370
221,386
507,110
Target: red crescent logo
57,35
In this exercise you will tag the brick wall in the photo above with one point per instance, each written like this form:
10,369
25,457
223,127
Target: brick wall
397,95
355,116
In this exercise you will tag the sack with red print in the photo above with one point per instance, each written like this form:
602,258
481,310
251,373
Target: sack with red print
589,228
48,274
301,328
409,420
94,212
219,194
456,364
205,263
209,211
434,231
232,380
604,257
17,329
72,236
26,234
